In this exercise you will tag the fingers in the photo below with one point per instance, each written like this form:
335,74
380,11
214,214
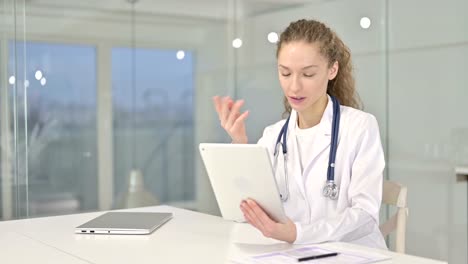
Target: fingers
250,216
225,109
217,104
262,216
256,216
240,119
234,113
229,111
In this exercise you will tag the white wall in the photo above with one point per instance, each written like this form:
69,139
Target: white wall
428,123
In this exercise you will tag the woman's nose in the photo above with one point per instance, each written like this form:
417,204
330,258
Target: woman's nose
295,85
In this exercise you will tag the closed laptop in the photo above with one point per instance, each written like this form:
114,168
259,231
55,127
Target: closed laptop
132,223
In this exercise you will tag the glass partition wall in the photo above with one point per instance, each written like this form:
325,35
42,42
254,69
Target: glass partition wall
103,103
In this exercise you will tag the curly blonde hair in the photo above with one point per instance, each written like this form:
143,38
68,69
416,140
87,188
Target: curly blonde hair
332,48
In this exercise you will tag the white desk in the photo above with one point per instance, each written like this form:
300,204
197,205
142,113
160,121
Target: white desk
190,237
16,248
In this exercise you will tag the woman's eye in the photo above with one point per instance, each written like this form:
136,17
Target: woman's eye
285,74
309,75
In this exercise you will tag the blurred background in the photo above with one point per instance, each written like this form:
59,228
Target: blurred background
103,103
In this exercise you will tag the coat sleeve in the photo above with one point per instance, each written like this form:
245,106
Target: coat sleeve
364,194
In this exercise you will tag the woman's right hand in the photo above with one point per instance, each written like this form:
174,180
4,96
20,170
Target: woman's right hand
231,119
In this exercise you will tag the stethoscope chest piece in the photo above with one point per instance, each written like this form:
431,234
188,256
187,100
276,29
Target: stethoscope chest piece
330,190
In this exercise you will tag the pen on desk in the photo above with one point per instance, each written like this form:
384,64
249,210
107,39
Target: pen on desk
317,256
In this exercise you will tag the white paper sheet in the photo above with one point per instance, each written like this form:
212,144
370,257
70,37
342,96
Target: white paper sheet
292,256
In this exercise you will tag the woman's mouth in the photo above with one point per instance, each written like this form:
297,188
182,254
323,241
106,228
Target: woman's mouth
296,100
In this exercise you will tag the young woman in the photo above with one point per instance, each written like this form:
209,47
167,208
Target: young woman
330,176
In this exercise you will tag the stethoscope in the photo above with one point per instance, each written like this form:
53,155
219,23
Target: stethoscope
330,189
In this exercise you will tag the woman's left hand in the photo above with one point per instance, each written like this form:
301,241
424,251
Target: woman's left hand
257,217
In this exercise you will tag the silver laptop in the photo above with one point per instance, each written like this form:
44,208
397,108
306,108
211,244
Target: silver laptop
128,223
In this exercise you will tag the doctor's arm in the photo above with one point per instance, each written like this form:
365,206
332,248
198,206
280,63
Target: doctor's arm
364,195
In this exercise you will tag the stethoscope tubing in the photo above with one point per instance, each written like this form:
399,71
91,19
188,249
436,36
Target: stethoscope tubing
330,188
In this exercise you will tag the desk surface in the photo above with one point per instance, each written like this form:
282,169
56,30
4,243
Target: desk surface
190,237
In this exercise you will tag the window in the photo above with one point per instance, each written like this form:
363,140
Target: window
155,118
60,104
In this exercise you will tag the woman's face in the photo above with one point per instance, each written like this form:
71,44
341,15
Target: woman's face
304,74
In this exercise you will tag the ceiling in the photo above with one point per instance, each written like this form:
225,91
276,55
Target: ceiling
207,9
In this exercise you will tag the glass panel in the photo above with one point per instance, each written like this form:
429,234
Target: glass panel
62,153
13,174
153,124
428,125
7,31
5,21
61,127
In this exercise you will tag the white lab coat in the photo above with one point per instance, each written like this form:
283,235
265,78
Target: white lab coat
354,216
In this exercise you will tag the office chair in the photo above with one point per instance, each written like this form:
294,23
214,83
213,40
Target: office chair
395,194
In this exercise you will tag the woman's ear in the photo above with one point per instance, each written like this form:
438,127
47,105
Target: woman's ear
333,71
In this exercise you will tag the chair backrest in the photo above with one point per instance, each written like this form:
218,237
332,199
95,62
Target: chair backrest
395,194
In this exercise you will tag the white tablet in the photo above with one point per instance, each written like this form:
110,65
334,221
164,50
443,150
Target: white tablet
238,172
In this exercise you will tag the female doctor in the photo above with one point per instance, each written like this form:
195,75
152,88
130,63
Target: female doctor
315,73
